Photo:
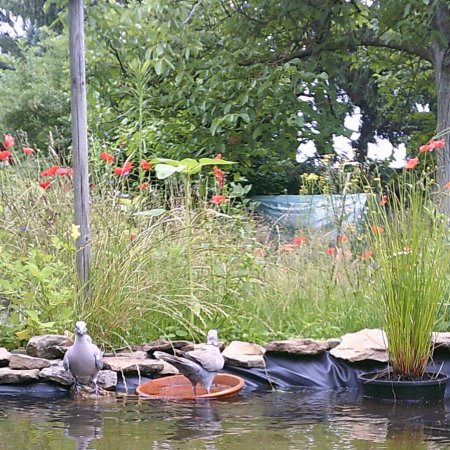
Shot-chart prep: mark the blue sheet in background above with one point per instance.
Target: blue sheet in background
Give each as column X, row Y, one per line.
column 312, row 212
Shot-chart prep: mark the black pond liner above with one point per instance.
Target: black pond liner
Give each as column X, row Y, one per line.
column 283, row 371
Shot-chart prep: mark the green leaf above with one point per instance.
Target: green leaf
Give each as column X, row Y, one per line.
column 164, row 171
column 150, row 213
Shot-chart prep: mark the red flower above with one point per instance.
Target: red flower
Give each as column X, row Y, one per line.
column 9, row 141
column 383, row 200
column 432, row 145
column 45, row 185
column 342, row 238
column 107, row 157
column 146, row 165
column 299, row 240
column 218, row 156
column 64, row 171
column 447, row 185
column 376, row 229
column 28, row 151
column 220, row 176
column 5, row 155
column 331, row 251
column 218, row 199
column 366, row 254
column 124, row 170
column 143, row 186
column 412, row 163
column 50, row 171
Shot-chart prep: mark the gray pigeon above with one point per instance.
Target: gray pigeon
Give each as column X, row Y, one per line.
column 83, row 358
column 198, row 365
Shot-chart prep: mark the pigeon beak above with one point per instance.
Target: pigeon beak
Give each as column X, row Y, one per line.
column 80, row 328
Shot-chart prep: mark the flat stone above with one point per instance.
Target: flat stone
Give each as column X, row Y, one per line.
column 25, row 362
column 244, row 354
column 367, row 344
column 19, row 351
column 48, row 346
column 162, row 345
column 191, row 346
column 10, row 376
column 57, row 374
column 301, row 346
column 107, row 379
column 4, row 357
column 132, row 365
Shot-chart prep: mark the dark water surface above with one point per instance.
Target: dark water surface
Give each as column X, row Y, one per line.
column 253, row 420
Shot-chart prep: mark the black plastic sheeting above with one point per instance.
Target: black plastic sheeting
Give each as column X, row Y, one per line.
column 318, row 372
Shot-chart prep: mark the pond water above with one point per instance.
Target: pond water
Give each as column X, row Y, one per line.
column 279, row 420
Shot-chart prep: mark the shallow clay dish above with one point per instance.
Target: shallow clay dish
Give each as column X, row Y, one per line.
column 178, row 387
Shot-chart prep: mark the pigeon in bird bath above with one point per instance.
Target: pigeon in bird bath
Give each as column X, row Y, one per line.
column 200, row 365
column 83, row 358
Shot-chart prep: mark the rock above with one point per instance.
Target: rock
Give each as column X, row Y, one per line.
column 57, row 374
column 9, row 376
column 244, row 354
column 367, row 344
column 191, row 346
column 127, row 364
column 164, row 346
column 301, row 346
column 18, row 361
column 48, row 346
column 441, row 340
column 19, row 351
column 107, row 379
column 4, row 357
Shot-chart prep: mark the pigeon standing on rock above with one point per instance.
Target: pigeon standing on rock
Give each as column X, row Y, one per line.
column 83, row 358
column 200, row 365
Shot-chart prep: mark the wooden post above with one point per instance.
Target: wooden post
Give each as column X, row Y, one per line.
column 79, row 139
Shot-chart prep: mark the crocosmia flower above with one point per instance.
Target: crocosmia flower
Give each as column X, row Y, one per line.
column 28, row 150
column 384, row 200
column 218, row 199
column 45, row 185
column 412, row 163
column 5, row 155
column 342, row 238
column 376, row 229
column 107, row 157
column 124, row 170
column 299, row 240
column 331, row 251
column 9, row 141
column 143, row 186
column 64, row 172
column 218, row 156
column 50, row 171
column 432, row 145
column 146, row 165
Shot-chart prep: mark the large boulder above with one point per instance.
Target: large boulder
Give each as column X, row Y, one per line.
column 244, row 354
column 10, row 376
column 107, row 379
column 367, row 344
column 57, row 374
column 4, row 357
column 301, row 346
column 25, row 362
column 48, row 346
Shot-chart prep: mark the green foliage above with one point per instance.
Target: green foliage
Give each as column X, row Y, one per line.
column 36, row 95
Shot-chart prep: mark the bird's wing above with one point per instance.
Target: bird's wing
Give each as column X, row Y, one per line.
column 208, row 357
column 98, row 356
column 66, row 360
column 184, row 365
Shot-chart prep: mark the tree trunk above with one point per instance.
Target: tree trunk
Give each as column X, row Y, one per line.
column 441, row 64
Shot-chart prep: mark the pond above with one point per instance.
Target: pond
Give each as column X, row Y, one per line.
column 294, row 419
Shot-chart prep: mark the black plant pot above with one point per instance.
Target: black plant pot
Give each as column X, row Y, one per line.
column 378, row 387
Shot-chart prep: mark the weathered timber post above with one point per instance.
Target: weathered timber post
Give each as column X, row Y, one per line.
column 79, row 139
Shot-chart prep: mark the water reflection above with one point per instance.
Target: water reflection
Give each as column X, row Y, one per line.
column 282, row 420
column 83, row 423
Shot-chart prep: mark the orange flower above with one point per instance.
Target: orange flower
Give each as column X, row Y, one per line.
column 367, row 254
column 9, row 141
column 425, row 148
column 218, row 156
column 107, row 157
column 299, row 240
column 376, row 229
column 146, row 165
column 5, row 155
column 331, row 251
column 28, row 151
column 45, row 185
column 342, row 238
column 447, row 185
column 124, row 170
column 50, row 171
column 64, row 172
column 383, row 200
column 143, row 186
column 218, row 199
column 412, row 163
column 432, row 145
